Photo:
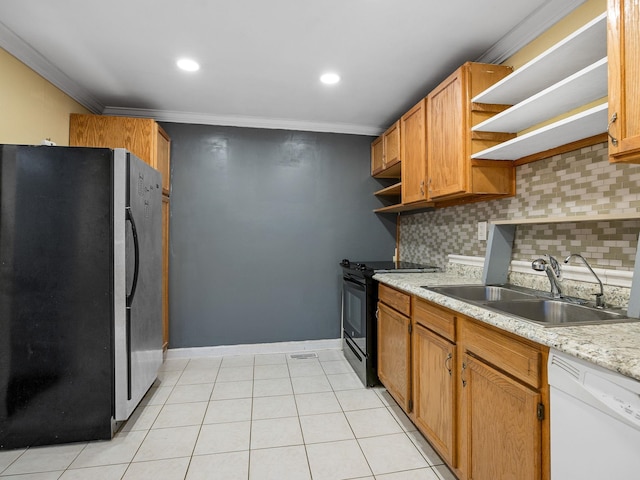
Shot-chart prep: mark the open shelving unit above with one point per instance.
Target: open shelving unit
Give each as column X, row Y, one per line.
column 570, row 74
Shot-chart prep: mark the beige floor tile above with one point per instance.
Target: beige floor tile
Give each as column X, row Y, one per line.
column 265, row 372
column 156, row 396
column 200, row 392
column 425, row 449
column 223, row 437
column 271, row 359
column 223, row 411
column 223, row 466
column 171, row 469
column 315, row 403
column 391, row 453
column 234, row 374
column 238, row 361
column 7, row 457
column 274, row 407
column 372, row 422
column 279, row 464
column 360, row 399
column 337, row 460
column 228, row 390
column 194, row 376
column 277, row 432
column 385, row 396
column 164, row 443
column 142, row 418
column 336, row 366
column 345, row 381
column 204, row 363
column 330, row 355
column 167, row 379
column 174, row 364
column 315, row 384
column 419, row 474
column 45, row 459
column 305, row 368
column 327, row 427
column 121, row 449
column 444, row 473
column 272, row 387
column 35, row 476
column 105, row 472
column 181, row 415
column 402, row 418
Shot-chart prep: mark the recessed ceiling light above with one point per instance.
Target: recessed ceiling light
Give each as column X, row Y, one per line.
column 330, row 78
column 188, row 65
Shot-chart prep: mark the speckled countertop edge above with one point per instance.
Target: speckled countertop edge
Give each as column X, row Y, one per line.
column 614, row 346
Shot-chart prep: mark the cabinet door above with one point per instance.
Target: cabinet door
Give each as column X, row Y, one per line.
column 414, row 154
column 623, row 51
column 377, row 152
column 391, row 140
column 503, row 434
column 394, row 353
column 433, row 389
column 447, row 166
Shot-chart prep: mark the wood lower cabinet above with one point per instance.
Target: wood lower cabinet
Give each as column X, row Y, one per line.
column 434, row 361
column 451, row 173
column 394, row 348
column 623, row 53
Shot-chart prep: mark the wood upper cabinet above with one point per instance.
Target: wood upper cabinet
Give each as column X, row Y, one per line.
column 433, row 389
column 450, row 115
column 414, row 153
column 623, row 51
column 385, row 153
column 394, row 348
column 141, row 136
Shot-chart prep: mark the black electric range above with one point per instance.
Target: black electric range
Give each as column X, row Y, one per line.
column 359, row 304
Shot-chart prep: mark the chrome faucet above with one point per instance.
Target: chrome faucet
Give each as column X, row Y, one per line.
column 599, row 296
column 552, row 269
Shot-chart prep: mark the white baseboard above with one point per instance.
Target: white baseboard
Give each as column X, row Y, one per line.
column 255, row 349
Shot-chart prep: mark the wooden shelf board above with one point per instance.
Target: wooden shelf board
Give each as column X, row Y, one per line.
column 583, row 87
column 391, row 190
column 583, row 47
column 576, row 127
column 405, row 208
column 605, row 217
column 394, row 171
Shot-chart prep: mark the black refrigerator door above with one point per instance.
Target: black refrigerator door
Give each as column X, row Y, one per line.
column 56, row 365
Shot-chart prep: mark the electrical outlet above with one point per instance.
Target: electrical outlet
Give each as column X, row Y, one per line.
column 482, row 231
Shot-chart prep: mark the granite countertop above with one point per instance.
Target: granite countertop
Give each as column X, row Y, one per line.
column 613, row 346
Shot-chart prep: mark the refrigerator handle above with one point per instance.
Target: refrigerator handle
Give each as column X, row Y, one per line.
column 136, row 267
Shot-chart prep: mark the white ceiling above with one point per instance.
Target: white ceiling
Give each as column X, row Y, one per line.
column 261, row 59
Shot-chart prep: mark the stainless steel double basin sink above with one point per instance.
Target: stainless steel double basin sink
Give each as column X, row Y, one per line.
column 532, row 305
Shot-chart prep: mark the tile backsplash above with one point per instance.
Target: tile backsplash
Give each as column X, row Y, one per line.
column 581, row 182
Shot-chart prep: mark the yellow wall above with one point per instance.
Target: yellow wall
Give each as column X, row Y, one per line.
column 576, row 19
column 31, row 108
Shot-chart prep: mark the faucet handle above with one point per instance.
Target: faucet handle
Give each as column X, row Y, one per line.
column 539, row 265
column 600, row 300
column 555, row 265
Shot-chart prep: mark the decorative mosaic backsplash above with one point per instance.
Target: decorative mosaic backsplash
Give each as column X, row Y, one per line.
column 581, row 182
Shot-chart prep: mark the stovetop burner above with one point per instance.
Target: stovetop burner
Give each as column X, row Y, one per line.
column 373, row 267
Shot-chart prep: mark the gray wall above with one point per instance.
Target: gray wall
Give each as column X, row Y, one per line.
column 260, row 220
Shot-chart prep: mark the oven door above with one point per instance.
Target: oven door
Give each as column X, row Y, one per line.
column 354, row 313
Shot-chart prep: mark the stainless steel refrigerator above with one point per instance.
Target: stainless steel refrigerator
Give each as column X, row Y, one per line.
column 80, row 291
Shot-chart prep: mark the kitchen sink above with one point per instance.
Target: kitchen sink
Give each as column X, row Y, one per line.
column 532, row 305
column 479, row 293
column 557, row 312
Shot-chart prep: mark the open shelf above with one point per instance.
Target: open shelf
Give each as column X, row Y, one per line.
column 582, row 125
column 405, row 208
column 391, row 190
column 580, row 49
column 583, row 87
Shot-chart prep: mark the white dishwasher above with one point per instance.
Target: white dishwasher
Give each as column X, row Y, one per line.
column 595, row 421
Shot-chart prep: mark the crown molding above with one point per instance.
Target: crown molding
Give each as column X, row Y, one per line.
column 243, row 121
column 529, row 29
column 24, row 52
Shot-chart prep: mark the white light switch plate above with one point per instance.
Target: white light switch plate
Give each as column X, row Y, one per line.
column 482, row 231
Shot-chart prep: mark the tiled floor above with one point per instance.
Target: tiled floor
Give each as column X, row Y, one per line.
column 248, row 417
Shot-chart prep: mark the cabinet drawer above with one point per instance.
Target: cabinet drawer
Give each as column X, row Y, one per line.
column 517, row 358
column 435, row 318
column 395, row 299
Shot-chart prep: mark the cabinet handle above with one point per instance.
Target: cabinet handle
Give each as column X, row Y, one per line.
column 429, row 186
column 422, row 187
column 447, row 365
column 614, row 140
column 464, row 367
column 377, row 310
